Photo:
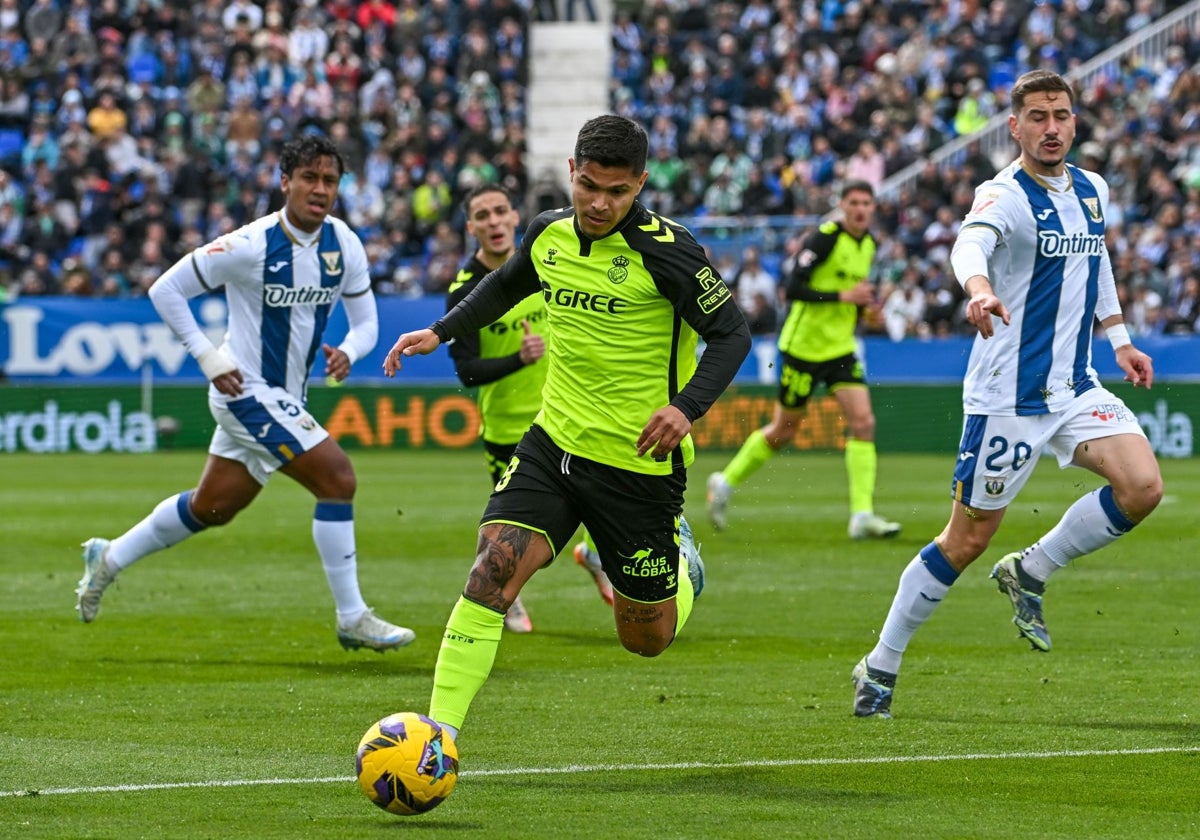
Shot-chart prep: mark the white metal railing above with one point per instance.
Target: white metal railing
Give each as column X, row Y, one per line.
column 1147, row 46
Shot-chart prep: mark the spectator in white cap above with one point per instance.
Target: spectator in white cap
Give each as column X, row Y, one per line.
column 71, row 109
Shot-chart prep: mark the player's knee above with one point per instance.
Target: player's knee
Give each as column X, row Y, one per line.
column 648, row 648
column 964, row 549
column 487, row 594
column 863, row 428
column 345, row 484
column 338, row 483
column 488, row 572
column 1153, row 493
column 646, row 640
column 214, row 515
column 491, row 579
column 1138, row 498
column 779, row 435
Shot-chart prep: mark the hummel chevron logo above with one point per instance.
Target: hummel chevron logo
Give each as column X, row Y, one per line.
column 656, row 225
column 277, row 266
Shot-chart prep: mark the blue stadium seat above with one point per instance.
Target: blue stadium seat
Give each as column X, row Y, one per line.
column 772, row 263
column 144, row 68
column 1003, row 74
column 12, row 141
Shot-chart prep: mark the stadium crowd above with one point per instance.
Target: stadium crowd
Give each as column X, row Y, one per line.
column 134, row 130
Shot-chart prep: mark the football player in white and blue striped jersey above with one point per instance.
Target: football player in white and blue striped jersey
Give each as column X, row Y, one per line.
column 282, row 276
column 1031, row 257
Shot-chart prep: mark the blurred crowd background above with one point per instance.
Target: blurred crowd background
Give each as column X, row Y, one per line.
column 132, row 131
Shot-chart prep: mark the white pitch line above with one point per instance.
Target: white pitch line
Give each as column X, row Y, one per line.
column 602, row 768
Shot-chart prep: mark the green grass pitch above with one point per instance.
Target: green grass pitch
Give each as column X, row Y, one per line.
column 210, row 699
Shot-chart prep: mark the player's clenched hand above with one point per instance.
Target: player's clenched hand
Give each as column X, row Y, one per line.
column 1137, row 366
column 666, row 428
column 337, row 363
column 861, row 293
column 980, row 309
column 421, row 341
column 533, row 346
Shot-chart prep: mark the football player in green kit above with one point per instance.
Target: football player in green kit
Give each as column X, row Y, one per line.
column 501, row 360
column 818, row 346
column 628, row 294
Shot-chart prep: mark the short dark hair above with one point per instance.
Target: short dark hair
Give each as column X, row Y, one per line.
column 610, row 140
column 484, row 189
column 304, row 151
column 1039, row 81
column 857, row 185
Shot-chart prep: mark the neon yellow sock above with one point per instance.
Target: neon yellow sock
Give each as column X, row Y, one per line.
column 468, row 650
column 684, row 598
column 754, row 453
column 860, row 470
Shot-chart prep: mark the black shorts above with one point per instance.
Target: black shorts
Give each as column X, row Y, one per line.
column 497, row 455
column 798, row 379
column 632, row 518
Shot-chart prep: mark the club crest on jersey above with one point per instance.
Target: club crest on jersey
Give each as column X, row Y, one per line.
column 993, row 485
column 333, row 262
column 619, row 273
column 1092, row 204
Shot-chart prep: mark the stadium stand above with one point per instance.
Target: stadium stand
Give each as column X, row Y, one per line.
column 131, row 130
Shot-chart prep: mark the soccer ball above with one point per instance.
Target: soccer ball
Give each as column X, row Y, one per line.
column 407, row 764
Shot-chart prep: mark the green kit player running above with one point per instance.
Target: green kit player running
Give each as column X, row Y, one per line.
column 627, row 293
column 817, row 346
column 501, row 360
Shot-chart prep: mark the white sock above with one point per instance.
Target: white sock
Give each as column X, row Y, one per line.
column 923, row 584
column 169, row 523
column 333, row 532
column 591, row 560
column 1093, row 522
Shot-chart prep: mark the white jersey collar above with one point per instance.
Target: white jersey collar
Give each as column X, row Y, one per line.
column 295, row 234
column 1059, row 183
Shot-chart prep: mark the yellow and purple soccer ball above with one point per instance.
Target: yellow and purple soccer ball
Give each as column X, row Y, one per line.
column 407, row 764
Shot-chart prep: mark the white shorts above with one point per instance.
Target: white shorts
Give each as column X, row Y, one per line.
column 997, row 454
column 263, row 429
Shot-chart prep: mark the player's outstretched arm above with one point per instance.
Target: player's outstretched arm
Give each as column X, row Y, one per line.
column 422, row 341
